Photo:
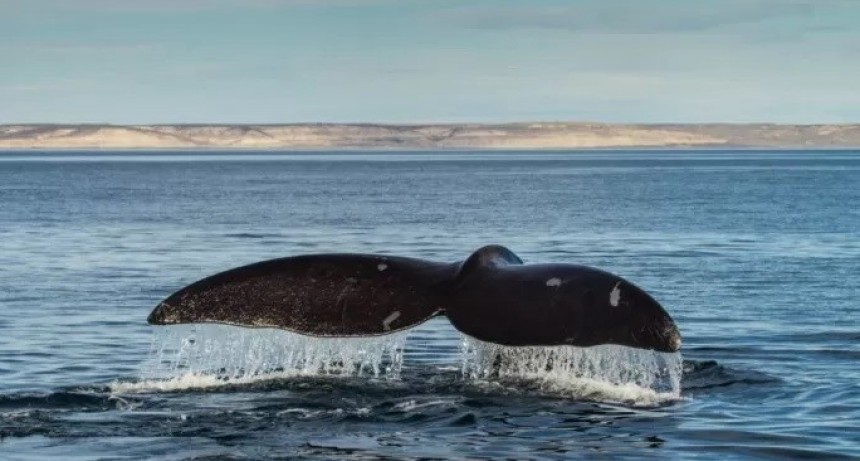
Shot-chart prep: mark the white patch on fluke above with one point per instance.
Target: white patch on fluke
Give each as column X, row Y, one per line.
column 386, row 323
column 615, row 295
column 553, row 282
column 382, row 267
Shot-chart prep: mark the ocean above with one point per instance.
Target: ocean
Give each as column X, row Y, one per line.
column 755, row 254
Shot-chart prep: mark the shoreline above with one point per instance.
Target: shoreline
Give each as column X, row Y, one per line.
column 408, row 150
column 544, row 136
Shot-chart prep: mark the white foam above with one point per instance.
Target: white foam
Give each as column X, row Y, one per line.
column 412, row 405
column 601, row 373
column 200, row 356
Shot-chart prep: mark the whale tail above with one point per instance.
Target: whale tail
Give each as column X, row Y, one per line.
column 491, row 296
column 316, row 295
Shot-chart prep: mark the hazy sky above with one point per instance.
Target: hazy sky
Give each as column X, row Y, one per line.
column 170, row 61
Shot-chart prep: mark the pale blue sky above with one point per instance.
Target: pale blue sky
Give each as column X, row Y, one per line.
column 270, row 61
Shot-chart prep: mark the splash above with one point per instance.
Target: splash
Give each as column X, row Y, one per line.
column 199, row 356
column 603, row 373
column 204, row 356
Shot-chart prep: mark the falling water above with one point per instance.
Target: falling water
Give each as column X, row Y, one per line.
column 198, row 356
column 211, row 355
column 606, row 372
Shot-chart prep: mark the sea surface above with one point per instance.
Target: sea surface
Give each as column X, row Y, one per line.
column 756, row 254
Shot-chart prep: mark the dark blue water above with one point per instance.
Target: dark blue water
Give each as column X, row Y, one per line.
column 755, row 254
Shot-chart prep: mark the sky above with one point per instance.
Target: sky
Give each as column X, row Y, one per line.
column 422, row 61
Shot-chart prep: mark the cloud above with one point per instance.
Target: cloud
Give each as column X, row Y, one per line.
column 636, row 16
column 60, row 85
column 183, row 5
column 78, row 48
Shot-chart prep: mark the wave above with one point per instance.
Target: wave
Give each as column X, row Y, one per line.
column 57, row 401
column 222, row 359
column 708, row 374
column 442, row 381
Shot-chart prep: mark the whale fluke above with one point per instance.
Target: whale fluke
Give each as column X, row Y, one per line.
column 491, row 296
column 317, row 295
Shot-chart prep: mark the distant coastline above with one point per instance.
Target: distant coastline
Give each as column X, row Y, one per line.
column 537, row 135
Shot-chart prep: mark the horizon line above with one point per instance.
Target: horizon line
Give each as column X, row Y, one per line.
column 428, row 123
